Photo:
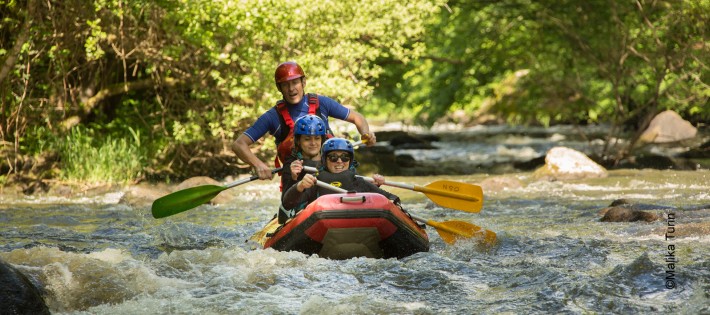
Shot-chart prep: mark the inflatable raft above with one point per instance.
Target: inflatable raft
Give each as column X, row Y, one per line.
column 342, row 226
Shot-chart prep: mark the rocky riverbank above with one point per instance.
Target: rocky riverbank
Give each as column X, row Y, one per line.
column 670, row 143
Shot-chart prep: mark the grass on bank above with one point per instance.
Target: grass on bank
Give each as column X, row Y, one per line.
column 109, row 159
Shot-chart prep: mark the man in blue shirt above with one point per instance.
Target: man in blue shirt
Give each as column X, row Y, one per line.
column 278, row 121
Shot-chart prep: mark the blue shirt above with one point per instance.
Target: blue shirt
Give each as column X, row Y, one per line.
column 269, row 121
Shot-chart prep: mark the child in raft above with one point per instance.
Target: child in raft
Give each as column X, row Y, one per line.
column 309, row 135
column 337, row 166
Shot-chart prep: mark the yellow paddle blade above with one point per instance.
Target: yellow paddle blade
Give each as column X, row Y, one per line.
column 454, row 195
column 451, row 231
column 262, row 236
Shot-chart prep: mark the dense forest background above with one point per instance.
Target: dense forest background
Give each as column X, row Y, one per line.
column 121, row 91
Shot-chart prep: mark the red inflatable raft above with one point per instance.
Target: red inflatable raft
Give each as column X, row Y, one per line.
column 342, row 226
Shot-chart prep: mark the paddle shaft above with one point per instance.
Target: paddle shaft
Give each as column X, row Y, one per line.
column 241, row 181
column 340, row 190
column 331, row 187
column 426, row 190
column 189, row 198
column 469, row 201
column 246, row 180
column 423, row 189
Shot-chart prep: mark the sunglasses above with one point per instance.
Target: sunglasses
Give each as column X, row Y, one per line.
column 335, row 157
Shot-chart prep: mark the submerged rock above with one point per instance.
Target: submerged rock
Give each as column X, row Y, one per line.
column 621, row 214
column 694, row 229
column 143, row 194
column 499, row 183
column 623, row 210
column 18, row 295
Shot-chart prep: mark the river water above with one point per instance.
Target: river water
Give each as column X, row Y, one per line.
column 95, row 255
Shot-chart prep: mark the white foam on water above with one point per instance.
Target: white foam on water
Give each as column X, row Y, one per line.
column 110, row 255
column 108, row 198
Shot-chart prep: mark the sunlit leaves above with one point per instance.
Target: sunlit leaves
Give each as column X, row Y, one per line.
column 636, row 51
column 93, row 48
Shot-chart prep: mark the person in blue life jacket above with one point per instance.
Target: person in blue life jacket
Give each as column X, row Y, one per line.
column 279, row 120
column 338, row 169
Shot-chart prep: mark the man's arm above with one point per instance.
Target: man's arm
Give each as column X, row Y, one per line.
column 241, row 148
column 338, row 111
column 362, row 127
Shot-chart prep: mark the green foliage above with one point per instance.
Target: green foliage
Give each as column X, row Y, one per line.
column 93, row 49
column 336, row 43
column 584, row 62
column 38, row 139
column 186, row 72
column 88, row 157
column 470, row 45
column 189, row 71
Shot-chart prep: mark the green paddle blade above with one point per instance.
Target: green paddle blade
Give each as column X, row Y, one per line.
column 185, row 199
column 189, row 198
column 454, row 195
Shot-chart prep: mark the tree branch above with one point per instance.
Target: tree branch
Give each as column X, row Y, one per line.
column 20, row 41
column 114, row 90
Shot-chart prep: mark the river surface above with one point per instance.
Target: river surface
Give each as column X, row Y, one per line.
column 98, row 256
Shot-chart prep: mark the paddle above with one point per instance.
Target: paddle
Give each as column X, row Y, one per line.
column 189, row 198
column 448, row 194
column 445, row 193
column 450, row 231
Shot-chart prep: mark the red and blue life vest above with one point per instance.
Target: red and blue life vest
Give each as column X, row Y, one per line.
column 284, row 141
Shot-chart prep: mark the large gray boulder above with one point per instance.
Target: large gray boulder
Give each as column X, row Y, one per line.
column 562, row 163
column 666, row 127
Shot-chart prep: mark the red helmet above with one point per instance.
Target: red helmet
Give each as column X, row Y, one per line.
column 288, row 70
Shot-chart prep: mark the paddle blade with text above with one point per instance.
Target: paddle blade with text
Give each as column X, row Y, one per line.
column 454, row 195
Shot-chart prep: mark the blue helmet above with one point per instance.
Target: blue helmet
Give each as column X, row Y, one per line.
column 337, row 144
column 309, row 125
